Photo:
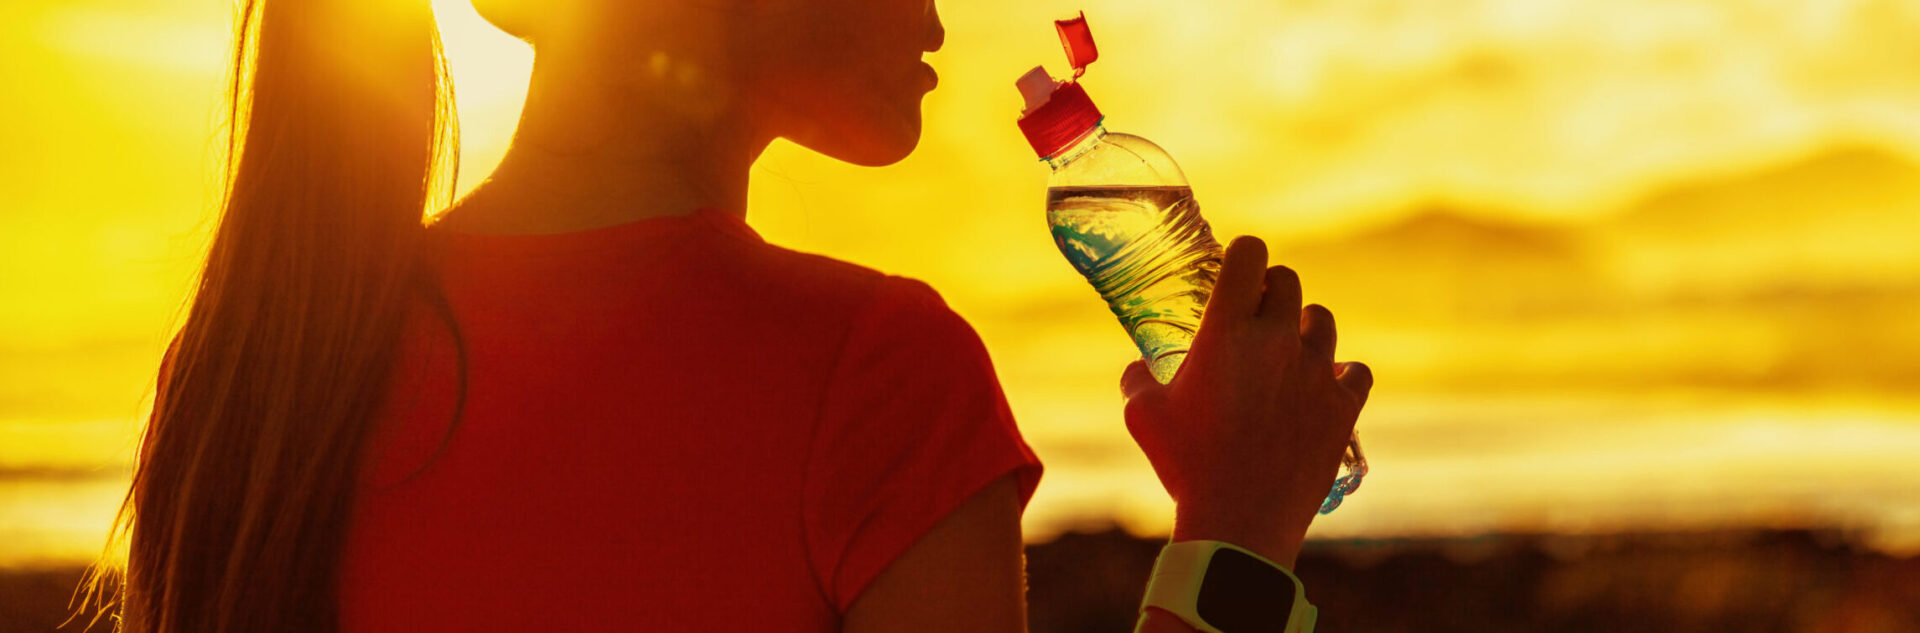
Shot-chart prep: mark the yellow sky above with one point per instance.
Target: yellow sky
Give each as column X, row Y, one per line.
column 1619, row 263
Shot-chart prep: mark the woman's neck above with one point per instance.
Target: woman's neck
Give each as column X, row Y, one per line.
column 661, row 137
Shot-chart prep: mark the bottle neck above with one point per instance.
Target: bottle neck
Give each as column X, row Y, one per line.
column 1078, row 147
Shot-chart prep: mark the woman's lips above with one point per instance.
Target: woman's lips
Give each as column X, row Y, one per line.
column 928, row 78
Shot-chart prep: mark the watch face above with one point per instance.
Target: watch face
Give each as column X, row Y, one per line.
column 1240, row 594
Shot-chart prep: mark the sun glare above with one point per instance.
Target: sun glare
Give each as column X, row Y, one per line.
column 490, row 72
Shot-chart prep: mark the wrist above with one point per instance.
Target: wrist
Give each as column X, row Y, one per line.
column 1157, row 620
column 1270, row 539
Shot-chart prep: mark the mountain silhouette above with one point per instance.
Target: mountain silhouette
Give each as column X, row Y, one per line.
column 1442, row 262
column 1846, row 216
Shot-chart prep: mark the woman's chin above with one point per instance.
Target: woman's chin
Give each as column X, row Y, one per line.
column 883, row 154
column 877, row 142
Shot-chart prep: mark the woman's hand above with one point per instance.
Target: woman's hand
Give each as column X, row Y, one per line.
column 1248, row 436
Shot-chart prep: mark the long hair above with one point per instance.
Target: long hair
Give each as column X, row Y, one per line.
column 341, row 139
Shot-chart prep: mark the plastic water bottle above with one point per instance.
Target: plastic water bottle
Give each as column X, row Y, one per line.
column 1122, row 213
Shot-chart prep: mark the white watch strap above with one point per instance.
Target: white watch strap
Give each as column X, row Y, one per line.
column 1182, row 566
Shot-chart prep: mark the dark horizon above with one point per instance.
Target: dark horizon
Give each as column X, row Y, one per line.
column 1718, row 581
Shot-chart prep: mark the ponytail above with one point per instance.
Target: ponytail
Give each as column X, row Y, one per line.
column 342, row 137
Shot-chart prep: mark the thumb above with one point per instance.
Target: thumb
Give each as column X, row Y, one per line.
column 1145, row 397
column 1137, row 379
column 1146, row 419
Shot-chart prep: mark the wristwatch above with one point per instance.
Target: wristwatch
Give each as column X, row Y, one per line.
column 1218, row 587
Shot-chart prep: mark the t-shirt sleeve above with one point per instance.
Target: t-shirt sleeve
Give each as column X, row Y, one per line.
column 912, row 424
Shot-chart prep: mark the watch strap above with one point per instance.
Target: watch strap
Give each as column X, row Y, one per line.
column 1181, row 572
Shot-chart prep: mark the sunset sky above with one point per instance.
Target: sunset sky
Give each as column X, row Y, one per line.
column 1618, row 264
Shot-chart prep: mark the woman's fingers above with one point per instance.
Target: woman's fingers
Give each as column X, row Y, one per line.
column 1317, row 334
column 1280, row 304
column 1236, row 295
column 1357, row 378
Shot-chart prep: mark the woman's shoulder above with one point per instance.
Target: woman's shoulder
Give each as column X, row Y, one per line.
column 872, row 297
column 787, row 275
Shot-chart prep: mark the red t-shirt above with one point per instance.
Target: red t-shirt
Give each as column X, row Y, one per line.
column 669, row 425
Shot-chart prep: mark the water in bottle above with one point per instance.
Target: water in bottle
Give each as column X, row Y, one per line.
column 1148, row 253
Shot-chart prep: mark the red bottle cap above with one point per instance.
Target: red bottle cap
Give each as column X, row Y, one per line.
column 1078, row 40
column 1067, row 114
column 1060, row 113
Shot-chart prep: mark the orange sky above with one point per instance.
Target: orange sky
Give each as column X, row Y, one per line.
column 1618, row 264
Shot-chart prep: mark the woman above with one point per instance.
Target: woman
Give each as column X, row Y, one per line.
column 590, row 397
